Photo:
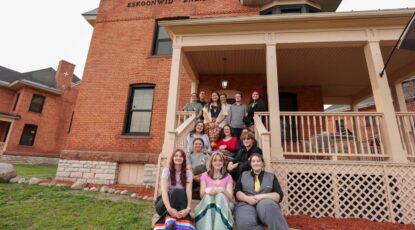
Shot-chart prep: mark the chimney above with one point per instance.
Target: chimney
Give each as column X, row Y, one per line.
column 64, row 75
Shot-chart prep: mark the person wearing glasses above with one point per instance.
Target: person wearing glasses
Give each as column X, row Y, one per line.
column 240, row 162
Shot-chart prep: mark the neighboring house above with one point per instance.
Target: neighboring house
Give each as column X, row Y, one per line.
column 36, row 110
column 146, row 58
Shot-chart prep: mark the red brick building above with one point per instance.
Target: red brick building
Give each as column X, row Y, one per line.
column 128, row 55
column 147, row 56
column 36, row 109
column 120, row 117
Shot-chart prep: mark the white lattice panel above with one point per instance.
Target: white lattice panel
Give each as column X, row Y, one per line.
column 375, row 191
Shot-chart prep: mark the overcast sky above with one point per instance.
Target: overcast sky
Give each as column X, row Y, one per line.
column 37, row 34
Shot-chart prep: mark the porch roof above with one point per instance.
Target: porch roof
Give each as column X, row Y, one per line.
column 395, row 17
column 338, row 67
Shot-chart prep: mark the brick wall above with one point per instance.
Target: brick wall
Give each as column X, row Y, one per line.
column 119, row 56
column 7, row 99
column 52, row 123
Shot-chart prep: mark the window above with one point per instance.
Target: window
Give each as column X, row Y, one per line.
column 140, row 110
column 287, row 9
column 28, row 135
column 15, row 102
column 162, row 42
column 290, row 10
column 37, row 103
column 340, row 127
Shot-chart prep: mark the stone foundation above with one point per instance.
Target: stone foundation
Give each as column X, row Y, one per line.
column 96, row 172
column 28, row 160
column 150, row 174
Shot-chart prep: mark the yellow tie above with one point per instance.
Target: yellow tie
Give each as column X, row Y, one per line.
column 257, row 185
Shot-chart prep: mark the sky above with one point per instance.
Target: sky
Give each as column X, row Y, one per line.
column 38, row 34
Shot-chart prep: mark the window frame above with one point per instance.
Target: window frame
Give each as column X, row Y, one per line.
column 340, row 126
column 41, row 107
column 156, row 39
column 303, row 8
column 130, row 110
column 70, row 122
column 16, row 101
column 23, row 134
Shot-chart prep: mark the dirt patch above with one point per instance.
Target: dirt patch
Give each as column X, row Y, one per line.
column 310, row 223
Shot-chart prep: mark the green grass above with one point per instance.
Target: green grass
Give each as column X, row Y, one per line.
column 40, row 207
column 39, row 171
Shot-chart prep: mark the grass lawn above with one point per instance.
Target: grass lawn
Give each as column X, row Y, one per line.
column 39, row 171
column 39, row 207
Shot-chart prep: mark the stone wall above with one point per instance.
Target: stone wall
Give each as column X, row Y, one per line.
column 29, row 160
column 96, row 172
column 150, row 174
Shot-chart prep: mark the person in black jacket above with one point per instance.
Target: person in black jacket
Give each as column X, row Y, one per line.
column 241, row 158
column 257, row 104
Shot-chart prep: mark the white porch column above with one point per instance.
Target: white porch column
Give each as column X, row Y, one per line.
column 172, row 100
column 401, row 97
column 273, row 102
column 383, row 101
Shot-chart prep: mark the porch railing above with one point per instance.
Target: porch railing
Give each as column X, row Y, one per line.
column 182, row 116
column 330, row 136
column 177, row 139
column 263, row 136
column 406, row 124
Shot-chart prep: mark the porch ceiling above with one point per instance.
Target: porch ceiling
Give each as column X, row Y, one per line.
column 340, row 71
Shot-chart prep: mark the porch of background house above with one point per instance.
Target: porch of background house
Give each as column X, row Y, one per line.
column 346, row 165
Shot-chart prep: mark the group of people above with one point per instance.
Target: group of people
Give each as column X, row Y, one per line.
column 217, row 113
column 257, row 195
column 224, row 168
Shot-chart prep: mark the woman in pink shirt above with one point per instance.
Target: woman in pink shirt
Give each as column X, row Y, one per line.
column 216, row 191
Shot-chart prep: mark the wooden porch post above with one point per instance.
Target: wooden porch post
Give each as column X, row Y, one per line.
column 273, row 102
column 401, row 97
column 383, row 101
column 172, row 100
column 195, row 87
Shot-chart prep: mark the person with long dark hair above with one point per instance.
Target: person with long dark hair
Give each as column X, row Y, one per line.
column 259, row 194
column 216, row 191
column 173, row 205
column 227, row 144
column 213, row 116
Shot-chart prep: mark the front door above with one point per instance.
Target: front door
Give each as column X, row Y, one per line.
column 288, row 102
